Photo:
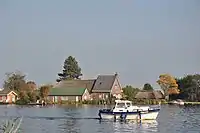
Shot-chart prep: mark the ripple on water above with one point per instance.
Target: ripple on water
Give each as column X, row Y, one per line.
column 171, row 119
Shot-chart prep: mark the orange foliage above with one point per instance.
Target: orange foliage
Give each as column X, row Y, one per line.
column 173, row 91
column 44, row 91
column 168, row 84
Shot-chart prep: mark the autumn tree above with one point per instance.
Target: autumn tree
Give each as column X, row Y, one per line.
column 147, row 87
column 168, row 85
column 71, row 70
column 31, row 85
column 44, row 91
column 15, row 81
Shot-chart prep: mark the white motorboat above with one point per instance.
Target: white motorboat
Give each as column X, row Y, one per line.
column 124, row 110
column 178, row 102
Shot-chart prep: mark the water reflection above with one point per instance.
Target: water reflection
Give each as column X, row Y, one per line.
column 144, row 126
column 67, row 119
column 69, row 126
column 149, row 126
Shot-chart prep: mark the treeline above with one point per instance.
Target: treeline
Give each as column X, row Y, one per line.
column 129, row 91
column 27, row 90
column 189, row 87
column 186, row 88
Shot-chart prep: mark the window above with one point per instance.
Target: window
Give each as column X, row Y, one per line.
column 56, row 99
column 120, row 105
column 85, row 97
column 64, row 98
column 3, row 97
column 128, row 104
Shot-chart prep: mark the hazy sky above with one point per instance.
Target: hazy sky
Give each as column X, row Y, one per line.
column 139, row 39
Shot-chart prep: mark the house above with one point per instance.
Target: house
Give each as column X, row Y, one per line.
column 71, row 94
column 8, row 96
column 105, row 86
column 99, row 89
column 156, row 94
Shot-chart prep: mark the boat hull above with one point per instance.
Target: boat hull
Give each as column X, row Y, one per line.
column 138, row 115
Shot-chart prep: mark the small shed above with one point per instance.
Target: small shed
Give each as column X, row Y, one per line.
column 8, row 96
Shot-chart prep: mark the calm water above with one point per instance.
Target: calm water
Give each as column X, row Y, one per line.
column 82, row 119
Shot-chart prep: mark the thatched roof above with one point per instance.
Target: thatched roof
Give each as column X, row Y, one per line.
column 76, row 84
column 149, row 95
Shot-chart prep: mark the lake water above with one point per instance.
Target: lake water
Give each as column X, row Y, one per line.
column 82, row 119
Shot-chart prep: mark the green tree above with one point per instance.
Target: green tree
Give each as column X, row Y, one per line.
column 189, row 87
column 129, row 92
column 147, row 87
column 32, row 96
column 24, row 99
column 71, row 70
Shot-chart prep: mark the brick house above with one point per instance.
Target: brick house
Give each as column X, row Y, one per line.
column 99, row 89
column 105, row 86
column 8, row 96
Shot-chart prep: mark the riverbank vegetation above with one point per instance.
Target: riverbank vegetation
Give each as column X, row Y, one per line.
column 186, row 88
column 189, row 87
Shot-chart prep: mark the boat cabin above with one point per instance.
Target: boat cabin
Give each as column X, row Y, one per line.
column 123, row 106
column 122, row 103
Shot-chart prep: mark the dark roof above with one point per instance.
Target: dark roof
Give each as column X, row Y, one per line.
column 104, row 83
column 5, row 92
column 149, row 95
column 66, row 92
column 76, row 84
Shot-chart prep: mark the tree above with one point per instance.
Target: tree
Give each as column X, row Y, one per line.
column 130, row 92
column 32, row 96
column 24, row 99
column 31, row 85
column 15, row 81
column 71, row 70
column 44, row 91
column 189, row 87
column 147, row 87
column 168, row 85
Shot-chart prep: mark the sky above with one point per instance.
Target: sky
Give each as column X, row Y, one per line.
column 138, row 39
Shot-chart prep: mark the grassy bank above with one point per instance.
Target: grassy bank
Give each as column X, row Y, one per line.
column 192, row 103
column 102, row 102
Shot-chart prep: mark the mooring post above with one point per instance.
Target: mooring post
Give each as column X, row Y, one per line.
column 115, row 118
column 140, row 115
column 100, row 115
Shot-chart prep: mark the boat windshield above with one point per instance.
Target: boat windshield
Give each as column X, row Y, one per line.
column 120, row 105
column 128, row 104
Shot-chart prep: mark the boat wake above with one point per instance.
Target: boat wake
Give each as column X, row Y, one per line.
column 50, row 118
column 71, row 118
